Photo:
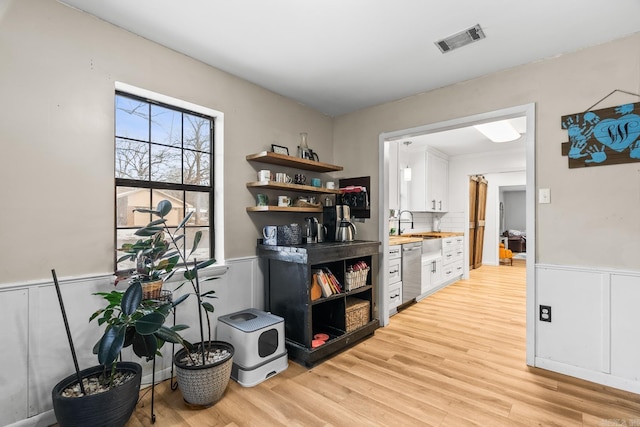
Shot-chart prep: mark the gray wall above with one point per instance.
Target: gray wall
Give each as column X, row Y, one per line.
column 57, row 77
column 515, row 210
column 602, row 200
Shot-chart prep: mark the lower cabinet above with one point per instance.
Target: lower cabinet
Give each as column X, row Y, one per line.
column 440, row 271
column 317, row 328
column 394, row 277
column 452, row 258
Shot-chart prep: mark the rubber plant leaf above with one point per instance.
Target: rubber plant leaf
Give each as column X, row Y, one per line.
column 111, row 345
column 196, row 241
column 180, row 299
column 208, row 293
column 145, row 346
column 131, row 299
column 163, row 208
column 206, row 263
column 149, row 323
column 184, row 221
column 208, row 306
column 169, row 335
column 156, row 222
column 147, row 231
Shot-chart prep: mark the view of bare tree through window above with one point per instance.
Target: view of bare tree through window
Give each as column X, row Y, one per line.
column 162, row 152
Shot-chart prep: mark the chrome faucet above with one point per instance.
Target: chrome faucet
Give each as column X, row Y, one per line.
column 400, row 220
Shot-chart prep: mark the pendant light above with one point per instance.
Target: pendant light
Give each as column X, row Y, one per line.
column 406, row 172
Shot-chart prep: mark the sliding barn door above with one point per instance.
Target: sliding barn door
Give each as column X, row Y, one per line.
column 477, row 207
column 473, row 189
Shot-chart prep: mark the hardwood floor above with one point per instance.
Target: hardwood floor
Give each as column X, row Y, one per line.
column 456, row 358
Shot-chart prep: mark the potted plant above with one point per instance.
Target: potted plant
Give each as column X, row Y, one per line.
column 203, row 370
column 107, row 394
column 154, row 263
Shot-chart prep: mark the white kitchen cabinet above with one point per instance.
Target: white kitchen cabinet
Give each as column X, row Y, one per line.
column 394, row 177
column 416, row 188
column 437, row 183
column 431, row 275
column 394, row 276
column 428, row 190
column 452, row 259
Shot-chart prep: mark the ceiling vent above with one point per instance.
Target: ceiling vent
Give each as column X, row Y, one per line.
column 460, row 39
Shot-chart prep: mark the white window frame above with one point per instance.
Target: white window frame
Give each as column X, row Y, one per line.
column 218, row 157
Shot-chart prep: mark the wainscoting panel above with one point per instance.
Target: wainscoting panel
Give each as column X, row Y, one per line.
column 36, row 346
column 625, row 334
column 14, row 318
column 593, row 330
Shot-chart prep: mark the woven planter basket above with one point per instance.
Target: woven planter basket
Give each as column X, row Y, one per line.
column 204, row 385
column 152, row 290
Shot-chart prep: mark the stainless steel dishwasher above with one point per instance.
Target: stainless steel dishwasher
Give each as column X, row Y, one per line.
column 411, row 271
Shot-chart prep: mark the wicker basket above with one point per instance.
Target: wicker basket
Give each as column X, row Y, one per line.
column 357, row 313
column 152, row 290
column 204, row 385
column 356, row 279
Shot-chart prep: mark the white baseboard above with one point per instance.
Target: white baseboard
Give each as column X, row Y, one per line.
column 588, row 375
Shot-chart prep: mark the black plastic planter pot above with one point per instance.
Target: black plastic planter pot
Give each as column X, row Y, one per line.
column 204, row 385
column 111, row 408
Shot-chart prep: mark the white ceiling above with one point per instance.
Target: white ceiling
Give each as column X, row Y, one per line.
column 338, row 56
column 465, row 140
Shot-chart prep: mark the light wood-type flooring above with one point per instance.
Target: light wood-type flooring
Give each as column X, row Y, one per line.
column 456, row 358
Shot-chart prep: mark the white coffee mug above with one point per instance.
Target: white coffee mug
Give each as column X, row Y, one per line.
column 284, row 201
column 330, row 185
column 264, row 175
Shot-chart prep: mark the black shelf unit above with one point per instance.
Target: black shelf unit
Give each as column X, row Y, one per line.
column 288, row 274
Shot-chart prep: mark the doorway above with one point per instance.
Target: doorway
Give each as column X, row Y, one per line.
column 389, row 138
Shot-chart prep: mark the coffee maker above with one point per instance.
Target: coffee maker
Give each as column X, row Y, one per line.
column 337, row 219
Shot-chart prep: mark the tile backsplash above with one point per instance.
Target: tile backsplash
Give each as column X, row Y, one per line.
column 426, row 221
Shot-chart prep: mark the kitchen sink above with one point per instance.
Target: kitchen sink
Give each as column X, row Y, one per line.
column 431, row 246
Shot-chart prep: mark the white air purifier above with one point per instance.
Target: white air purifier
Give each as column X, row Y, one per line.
column 258, row 340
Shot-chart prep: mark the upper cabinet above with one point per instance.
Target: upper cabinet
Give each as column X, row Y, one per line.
column 437, row 183
column 426, row 187
column 394, row 183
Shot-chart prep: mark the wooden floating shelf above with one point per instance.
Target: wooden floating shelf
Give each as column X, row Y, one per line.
column 283, row 209
column 294, row 162
column 272, row 185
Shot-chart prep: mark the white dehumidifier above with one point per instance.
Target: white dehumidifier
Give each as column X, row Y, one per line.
column 258, row 340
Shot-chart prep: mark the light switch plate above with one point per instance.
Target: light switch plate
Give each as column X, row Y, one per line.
column 544, row 195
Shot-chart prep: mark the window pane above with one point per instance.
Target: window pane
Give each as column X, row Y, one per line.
column 202, row 253
column 197, row 168
column 132, row 118
column 198, row 203
column 132, row 159
column 175, row 197
column 166, row 164
column 197, row 133
column 128, row 199
column 166, row 126
column 124, row 236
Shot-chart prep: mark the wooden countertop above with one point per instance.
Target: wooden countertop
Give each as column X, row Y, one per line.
column 401, row 240
column 420, row 235
column 436, row 234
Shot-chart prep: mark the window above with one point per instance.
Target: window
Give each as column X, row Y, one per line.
column 163, row 152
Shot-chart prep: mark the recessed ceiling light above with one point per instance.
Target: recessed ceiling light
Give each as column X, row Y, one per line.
column 500, row 131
